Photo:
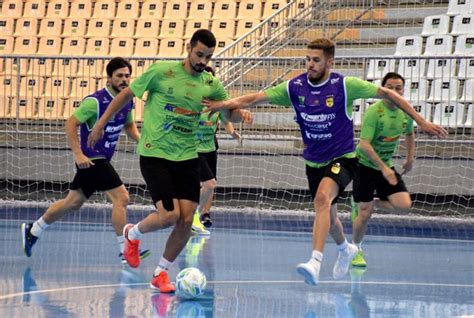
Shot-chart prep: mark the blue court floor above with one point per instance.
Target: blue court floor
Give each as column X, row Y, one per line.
column 75, row 272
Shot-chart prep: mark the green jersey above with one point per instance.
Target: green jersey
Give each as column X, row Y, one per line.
column 383, row 126
column 173, row 108
column 207, row 131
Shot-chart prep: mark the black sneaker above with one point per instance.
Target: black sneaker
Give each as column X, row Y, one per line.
column 206, row 220
column 27, row 239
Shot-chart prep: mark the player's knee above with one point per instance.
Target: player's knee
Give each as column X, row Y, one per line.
column 209, row 185
column 122, row 200
column 365, row 212
column 404, row 205
column 322, row 200
column 74, row 203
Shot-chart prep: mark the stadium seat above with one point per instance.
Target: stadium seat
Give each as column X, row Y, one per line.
column 412, row 68
column 423, row 109
column 225, row 9
column 460, row 7
column 34, row 9
column 192, row 25
column 121, row 47
column 245, row 25
column 49, row 108
column 146, row 47
column 272, row 6
column 123, row 28
column 8, row 86
column 172, row 28
column 250, row 9
column 26, row 27
column 437, row 45
column 222, row 44
column 200, row 9
column 147, row 28
column 466, row 68
column 464, row 45
column 223, row 28
column 441, row 68
column 50, row 27
column 299, row 10
column 98, row 28
column 57, row 87
column 75, row 27
column 470, row 116
column 12, row 9
column 444, row 90
column 31, row 88
column 58, row 9
column 246, row 48
column 50, row 105
column 171, row 47
column 358, row 109
column 72, row 46
column 43, row 66
column 449, row 114
column 104, row 9
column 82, row 86
column 416, row 90
column 435, row 25
column 97, row 46
column 127, row 9
column 463, row 24
column 379, row 67
column 81, row 9
column 140, row 65
column 152, row 9
column 409, row 46
column 7, row 26
column 176, row 9
column 25, row 45
column 467, row 95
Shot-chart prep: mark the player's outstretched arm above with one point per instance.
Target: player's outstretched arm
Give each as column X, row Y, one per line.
column 81, row 160
column 117, row 103
column 237, row 102
column 426, row 126
column 410, row 143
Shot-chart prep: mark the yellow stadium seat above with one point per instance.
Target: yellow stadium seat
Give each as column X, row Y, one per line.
column 200, row 9
column 272, row 6
column 6, row 47
column 49, row 108
column 82, row 87
column 250, row 9
column 98, row 27
column 152, row 9
column 121, row 47
column 94, row 67
column 31, row 88
column 74, row 27
column 12, row 9
column 172, row 28
column 222, row 44
column 225, row 9
column 8, row 92
column 123, row 28
column 192, row 25
column 146, row 47
column 7, row 26
column 57, row 86
column 147, row 28
column 26, row 45
column 102, row 82
column 50, row 27
column 58, row 9
column 104, row 9
column 297, row 11
column 176, row 9
column 34, row 9
column 43, row 66
column 245, row 25
column 171, row 48
column 26, row 26
column 70, row 105
column 127, row 9
column 81, row 9
column 72, row 46
column 140, row 65
column 223, row 28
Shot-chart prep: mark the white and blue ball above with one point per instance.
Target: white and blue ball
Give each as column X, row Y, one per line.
column 190, row 283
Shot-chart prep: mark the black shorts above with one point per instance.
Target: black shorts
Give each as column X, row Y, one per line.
column 167, row 180
column 99, row 177
column 208, row 165
column 341, row 170
column 368, row 181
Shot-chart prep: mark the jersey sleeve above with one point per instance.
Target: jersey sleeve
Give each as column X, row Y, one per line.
column 357, row 88
column 278, row 95
column 86, row 110
column 145, row 81
column 369, row 124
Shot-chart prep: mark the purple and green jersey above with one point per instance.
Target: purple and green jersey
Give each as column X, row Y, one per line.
column 324, row 113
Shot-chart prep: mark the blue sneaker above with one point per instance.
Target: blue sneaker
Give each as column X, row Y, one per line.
column 27, row 239
column 143, row 254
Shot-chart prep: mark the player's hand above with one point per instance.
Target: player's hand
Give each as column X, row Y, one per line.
column 247, row 116
column 407, row 166
column 94, row 136
column 390, row 176
column 433, row 129
column 236, row 135
column 213, row 105
column 82, row 161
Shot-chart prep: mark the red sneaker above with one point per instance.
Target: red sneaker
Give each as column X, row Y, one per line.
column 131, row 250
column 161, row 304
column 162, row 283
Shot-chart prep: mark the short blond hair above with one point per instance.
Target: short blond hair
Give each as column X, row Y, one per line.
column 328, row 46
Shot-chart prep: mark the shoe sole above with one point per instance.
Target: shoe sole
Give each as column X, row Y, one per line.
column 23, row 239
column 308, row 278
column 156, row 289
column 359, row 265
column 199, row 232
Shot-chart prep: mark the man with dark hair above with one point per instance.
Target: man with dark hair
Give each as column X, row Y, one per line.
column 168, row 150
column 382, row 127
column 94, row 170
column 322, row 101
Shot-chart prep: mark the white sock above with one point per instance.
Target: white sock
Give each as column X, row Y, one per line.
column 134, row 233
column 164, row 265
column 341, row 247
column 317, row 255
column 120, row 240
column 359, row 245
column 38, row 227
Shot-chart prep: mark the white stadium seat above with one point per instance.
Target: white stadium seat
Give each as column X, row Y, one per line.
column 436, row 24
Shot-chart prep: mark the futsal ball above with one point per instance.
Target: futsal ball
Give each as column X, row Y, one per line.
column 190, row 283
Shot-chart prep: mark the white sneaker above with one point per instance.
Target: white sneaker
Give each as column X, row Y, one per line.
column 343, row 261
column 309, row 271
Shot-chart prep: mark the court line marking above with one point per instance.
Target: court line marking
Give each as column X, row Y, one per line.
column 343, row 282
